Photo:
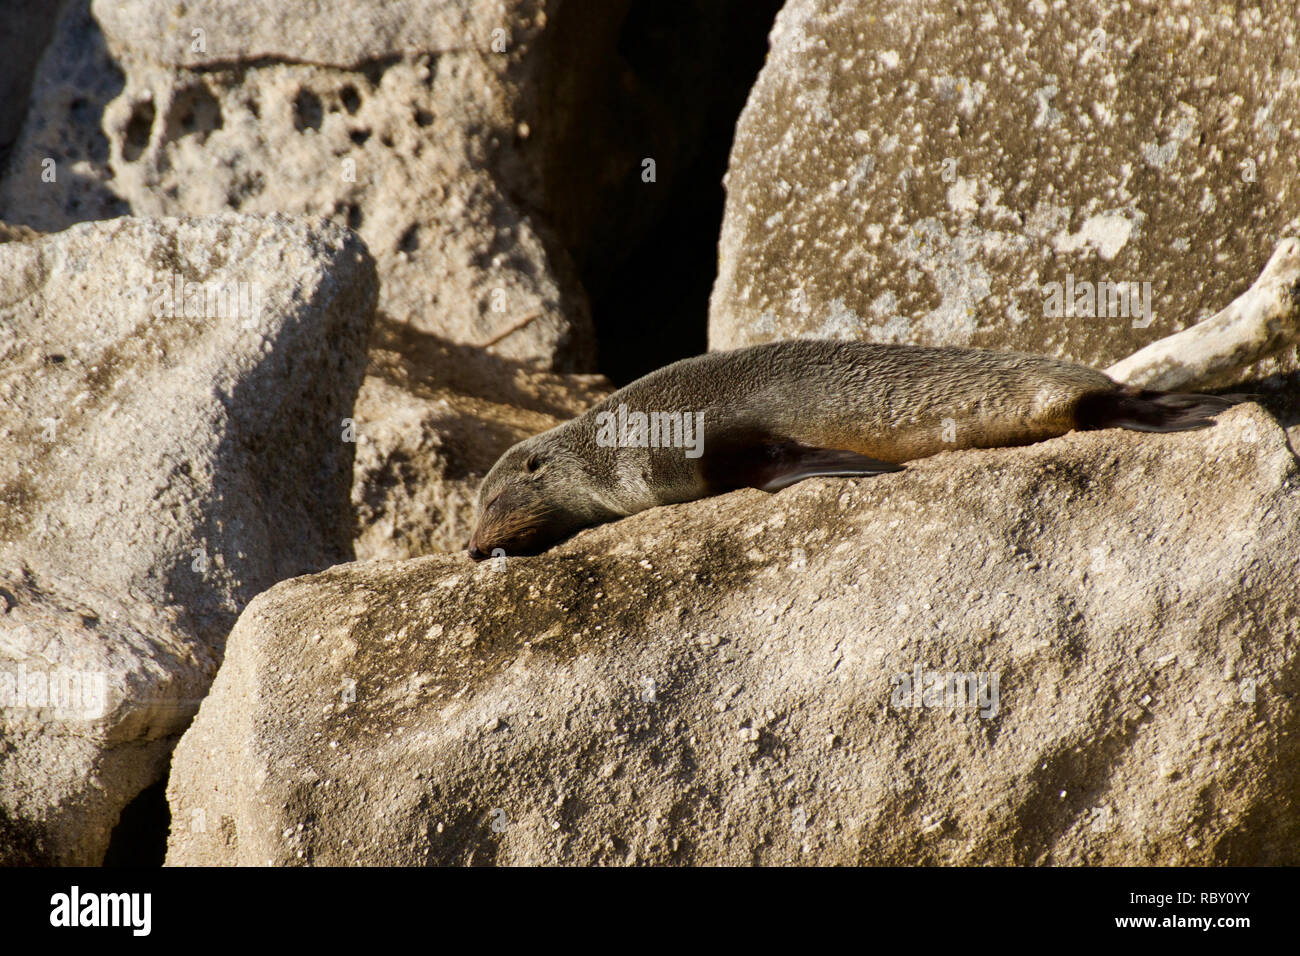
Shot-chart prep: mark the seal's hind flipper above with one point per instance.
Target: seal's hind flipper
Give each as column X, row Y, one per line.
column 1144, row 410
column 774, row 465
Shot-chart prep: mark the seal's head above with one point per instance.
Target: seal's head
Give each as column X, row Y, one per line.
column 538, row 493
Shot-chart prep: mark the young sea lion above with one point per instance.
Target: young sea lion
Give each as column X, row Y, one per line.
column 771, row 415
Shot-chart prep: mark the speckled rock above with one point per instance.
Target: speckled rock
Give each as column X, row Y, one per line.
column 924, row 172
column 163, row 458
column 725, row 681
column 431, row 419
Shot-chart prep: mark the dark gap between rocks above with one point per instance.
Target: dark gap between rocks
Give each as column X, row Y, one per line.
column 25, row 30
column 140, row 837
column 651, row 308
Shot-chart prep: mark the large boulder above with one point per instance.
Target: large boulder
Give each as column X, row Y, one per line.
column 489, row 154
column 386, row 118
column 729, row 681
column 968, row 174
column 173, row 443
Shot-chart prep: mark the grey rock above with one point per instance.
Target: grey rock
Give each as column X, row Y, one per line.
column 720, row 681
column 385, row 117
column 162, row 460
column 923, row 172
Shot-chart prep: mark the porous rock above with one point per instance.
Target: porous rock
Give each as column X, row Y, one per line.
column 383, row 116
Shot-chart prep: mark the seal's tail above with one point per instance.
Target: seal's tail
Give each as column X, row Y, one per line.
column 1145, row 410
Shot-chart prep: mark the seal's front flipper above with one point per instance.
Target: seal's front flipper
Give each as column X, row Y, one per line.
column 792, row 462
column 770, row 463
column 775, row 464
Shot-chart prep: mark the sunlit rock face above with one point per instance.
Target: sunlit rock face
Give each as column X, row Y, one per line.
column 1074, row 180
column 751, row 678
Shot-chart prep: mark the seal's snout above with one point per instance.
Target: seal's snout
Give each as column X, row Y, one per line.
column 473, row 549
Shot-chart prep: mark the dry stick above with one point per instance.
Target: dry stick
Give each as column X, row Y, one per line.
column 512, row 330
column 1261, row 321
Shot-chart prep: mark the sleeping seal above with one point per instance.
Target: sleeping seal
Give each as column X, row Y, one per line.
column 771, row 415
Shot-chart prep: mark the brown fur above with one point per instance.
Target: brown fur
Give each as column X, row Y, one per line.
column 776, row 413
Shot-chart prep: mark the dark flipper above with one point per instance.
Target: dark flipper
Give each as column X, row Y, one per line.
column 772, row 464
column 1144, row 410
column 791, row 463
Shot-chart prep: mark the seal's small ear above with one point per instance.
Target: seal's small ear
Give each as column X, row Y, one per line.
column 773, row 464
column 533, row 463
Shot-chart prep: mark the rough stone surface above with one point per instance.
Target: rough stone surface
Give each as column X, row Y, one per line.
column 920, row 172
column 158, row 468
column 488, row 153
column 342, row 33
column 715, row 681
column 431, row 419
column 63, row 136
column 383, row 116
